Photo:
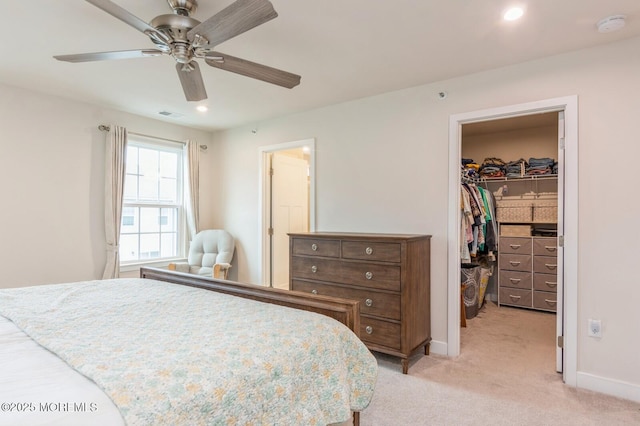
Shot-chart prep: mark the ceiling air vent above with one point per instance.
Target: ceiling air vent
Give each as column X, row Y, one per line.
column 171, row 114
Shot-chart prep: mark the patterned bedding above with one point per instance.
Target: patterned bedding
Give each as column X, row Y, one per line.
column 170, row 354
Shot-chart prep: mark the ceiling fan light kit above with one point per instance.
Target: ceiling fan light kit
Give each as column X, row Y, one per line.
column 187, row 39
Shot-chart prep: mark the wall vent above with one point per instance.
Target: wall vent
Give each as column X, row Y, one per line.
column 171, row 114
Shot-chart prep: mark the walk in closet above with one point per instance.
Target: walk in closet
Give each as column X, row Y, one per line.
column 509, row 214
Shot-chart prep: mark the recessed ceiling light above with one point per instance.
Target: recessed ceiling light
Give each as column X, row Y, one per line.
column 513, row 14
column 202, row 108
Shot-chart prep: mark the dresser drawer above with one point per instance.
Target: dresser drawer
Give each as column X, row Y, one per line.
column 515, row 279
column 545, row 247
column 545, row 282
column 515, row 245
column 545, row 264
column 316, row 269
column 316, row 247
column 383, row 277
column 545, row 300
column 380, row 332
column 515, row 262
column 515, row 297
column 384, row 305
column 363, row 250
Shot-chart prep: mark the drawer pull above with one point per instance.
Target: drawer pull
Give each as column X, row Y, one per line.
column 314, row 291
column 550, row 248
column 551, row 302
column 551, row 284
column 368, row 250
column 550, row 266
column 369, row 275
column 515, row 280
column 515, row 298
column 514, row 262
column 314, row 269
column 314, row 247
column 515, row 246
column 368, row 302
column 369, row 329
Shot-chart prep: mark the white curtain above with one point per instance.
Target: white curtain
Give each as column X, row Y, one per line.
column 192, row 189
column 116, row 150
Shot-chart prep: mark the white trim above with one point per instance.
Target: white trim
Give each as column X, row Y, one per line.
column 263, row 191
column 569, row 105
column 438, row 347
column 608, row 386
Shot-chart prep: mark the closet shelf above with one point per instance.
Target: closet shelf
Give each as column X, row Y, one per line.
column 519, row 179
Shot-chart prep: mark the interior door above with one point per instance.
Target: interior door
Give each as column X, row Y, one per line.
column 289, row 211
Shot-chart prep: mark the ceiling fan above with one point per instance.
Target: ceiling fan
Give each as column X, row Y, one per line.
column 187, row 39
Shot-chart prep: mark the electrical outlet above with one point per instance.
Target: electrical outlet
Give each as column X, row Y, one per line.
column 595, row 328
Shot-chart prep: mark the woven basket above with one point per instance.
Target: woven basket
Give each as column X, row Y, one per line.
column 545, row 211
column 514, row 211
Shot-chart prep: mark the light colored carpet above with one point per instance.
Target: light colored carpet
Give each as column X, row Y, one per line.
column 505, row 375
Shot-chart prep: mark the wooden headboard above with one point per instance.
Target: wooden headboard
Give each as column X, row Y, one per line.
column 344, row 310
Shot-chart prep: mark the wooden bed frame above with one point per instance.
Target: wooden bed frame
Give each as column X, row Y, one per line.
column 343, row 310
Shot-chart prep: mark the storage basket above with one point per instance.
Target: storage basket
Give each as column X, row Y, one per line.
column 514, row 211
column 545, row 211
column 515, row 230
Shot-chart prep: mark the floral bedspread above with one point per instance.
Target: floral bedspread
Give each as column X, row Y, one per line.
column 167, row 354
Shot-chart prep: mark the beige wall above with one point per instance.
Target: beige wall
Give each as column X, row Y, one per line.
column 512, row 145
column 382, row 166
column 52, row 180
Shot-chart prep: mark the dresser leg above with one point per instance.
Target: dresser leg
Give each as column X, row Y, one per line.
column 405, row 365
column 426, row 348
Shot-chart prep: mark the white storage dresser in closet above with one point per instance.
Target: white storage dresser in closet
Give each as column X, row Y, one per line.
column 527, row 274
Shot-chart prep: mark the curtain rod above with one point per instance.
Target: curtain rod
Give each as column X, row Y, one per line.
column 107, row 128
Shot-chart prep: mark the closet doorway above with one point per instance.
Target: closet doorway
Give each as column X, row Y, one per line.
column 287, row 205
column 564, row 111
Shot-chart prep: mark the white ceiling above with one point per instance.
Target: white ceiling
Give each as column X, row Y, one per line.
column 343, row 49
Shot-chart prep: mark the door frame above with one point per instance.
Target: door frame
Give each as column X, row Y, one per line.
column 569, row 105
column 264, row 198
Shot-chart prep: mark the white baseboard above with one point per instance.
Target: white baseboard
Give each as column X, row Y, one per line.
column 438, row 347
column 608, row 386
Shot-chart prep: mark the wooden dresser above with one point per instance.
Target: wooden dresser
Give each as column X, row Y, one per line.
column 388, row 274
column 528, row 272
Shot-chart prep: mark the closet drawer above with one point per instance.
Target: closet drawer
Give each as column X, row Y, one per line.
column 545, row 300
column 515, row 279
column 545, row 282
column 546, row 264
column 515, row 245
column 313, row 247
column 371, row 302
column 515, row 262
column 515, row 297
column 380, row 332
column 363, row 250
column 545, row 247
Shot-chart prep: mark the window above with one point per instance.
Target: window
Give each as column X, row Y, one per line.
column 152, row 224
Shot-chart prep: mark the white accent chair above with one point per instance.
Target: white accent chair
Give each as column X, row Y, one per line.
column 210, row 254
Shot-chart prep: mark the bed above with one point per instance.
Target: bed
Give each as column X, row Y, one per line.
column 173, row 348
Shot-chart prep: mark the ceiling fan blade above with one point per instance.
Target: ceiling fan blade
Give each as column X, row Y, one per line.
column 233, row 20
column 103, row 56
column 127, row 17
column 252, row 69
column 191, row 80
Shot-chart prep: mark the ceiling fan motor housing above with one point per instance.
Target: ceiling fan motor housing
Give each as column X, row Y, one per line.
column 175, row 27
